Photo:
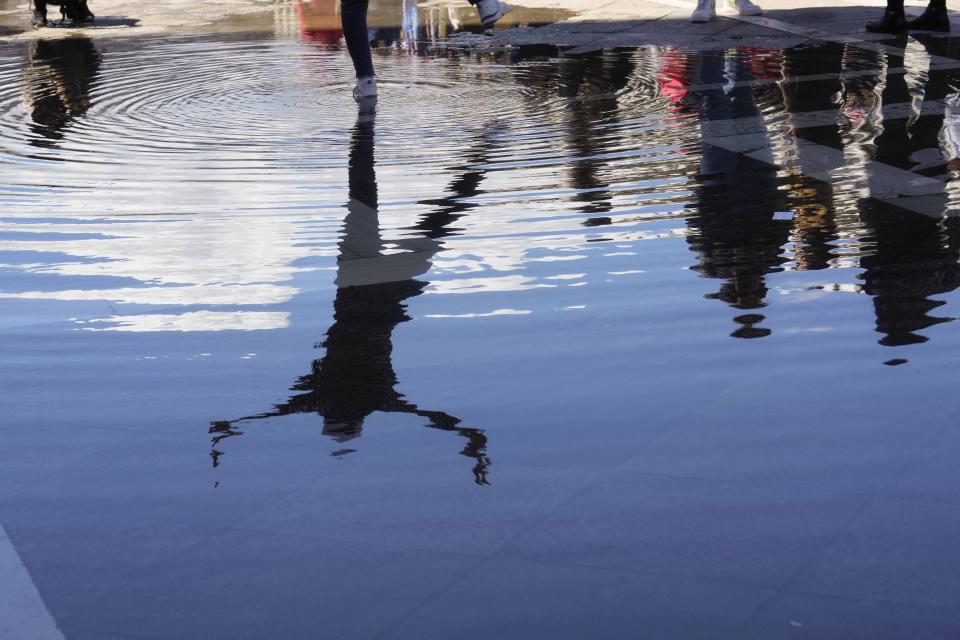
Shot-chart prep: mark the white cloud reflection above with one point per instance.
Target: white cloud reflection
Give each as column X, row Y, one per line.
column 193, row 321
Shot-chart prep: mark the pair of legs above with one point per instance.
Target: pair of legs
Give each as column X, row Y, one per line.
column 707, row 9
column 894, row 20
column 353, row 15
column 76, row 10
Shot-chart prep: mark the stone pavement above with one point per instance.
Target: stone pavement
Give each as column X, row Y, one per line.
column 635, row 23
column 593, row 25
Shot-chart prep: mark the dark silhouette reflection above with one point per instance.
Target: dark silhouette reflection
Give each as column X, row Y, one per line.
column 814, row 201
column 593, row 84
column 916, row 256
column 57, row 82
column 436, row 224
column 733, row 228
column 355, row 376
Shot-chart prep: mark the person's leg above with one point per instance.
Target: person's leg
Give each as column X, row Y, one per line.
column 893, row 20
column 490, row 11
column 353, row 15
column 935, row 18
column 39, row 13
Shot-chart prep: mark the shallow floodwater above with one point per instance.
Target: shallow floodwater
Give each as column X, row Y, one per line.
column 541, row 346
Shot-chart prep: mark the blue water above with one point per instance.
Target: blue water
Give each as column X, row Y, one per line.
column 539, row 332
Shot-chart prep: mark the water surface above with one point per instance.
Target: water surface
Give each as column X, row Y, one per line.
column 663, row 331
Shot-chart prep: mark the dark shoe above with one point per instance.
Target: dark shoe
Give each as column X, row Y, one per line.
column 891, row 22
column 39, row 19
column 932, row 20
column 85, row 15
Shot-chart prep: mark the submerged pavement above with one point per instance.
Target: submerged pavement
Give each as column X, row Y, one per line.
column 605, row 325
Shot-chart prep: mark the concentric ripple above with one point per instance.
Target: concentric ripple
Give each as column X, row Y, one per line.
column 194, row 111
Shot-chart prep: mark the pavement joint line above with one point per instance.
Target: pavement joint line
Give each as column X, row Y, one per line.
column 23, row 613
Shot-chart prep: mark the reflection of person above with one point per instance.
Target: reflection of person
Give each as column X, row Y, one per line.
column 57, row 83
column 355, row 32
column 593, row 83
column 706, row 10
column 915, row 256
column 814, row 201
column 355, row 376
column 733, row 230
column 894, row 20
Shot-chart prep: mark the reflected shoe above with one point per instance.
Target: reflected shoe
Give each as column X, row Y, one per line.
column 891, row 22
column 745, row 7
column 366, row 90
column 491, row 11
column 933, row 19
column 705, row 12
column 38, row 19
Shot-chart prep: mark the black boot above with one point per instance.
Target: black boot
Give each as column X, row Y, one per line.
column 933, row 19
column 893, row 21
column 83, row 12
column 39, row 18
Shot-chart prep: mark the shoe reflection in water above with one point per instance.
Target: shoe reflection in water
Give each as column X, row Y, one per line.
column 57, row 82
column 355, row 376
column 733, row 229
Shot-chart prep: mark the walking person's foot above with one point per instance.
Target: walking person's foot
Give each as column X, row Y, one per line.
column 891, row 22
column 705, row 12
column 745, row 7
column 491, row 11
column 932, row 19
column 366, row 90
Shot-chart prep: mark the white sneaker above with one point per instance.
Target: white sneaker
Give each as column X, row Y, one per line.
column 492, row 10
column 366, row 89
column 705, row 12
column 745, row 7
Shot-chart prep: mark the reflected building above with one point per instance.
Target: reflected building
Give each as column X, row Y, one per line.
column 355, row 376
column 57, row 81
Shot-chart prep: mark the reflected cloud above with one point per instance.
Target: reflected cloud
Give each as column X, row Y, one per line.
column 188, row 322
column 210, row 295
column 491, row 314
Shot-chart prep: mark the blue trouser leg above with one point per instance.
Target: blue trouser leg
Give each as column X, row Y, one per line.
column 353, row 14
